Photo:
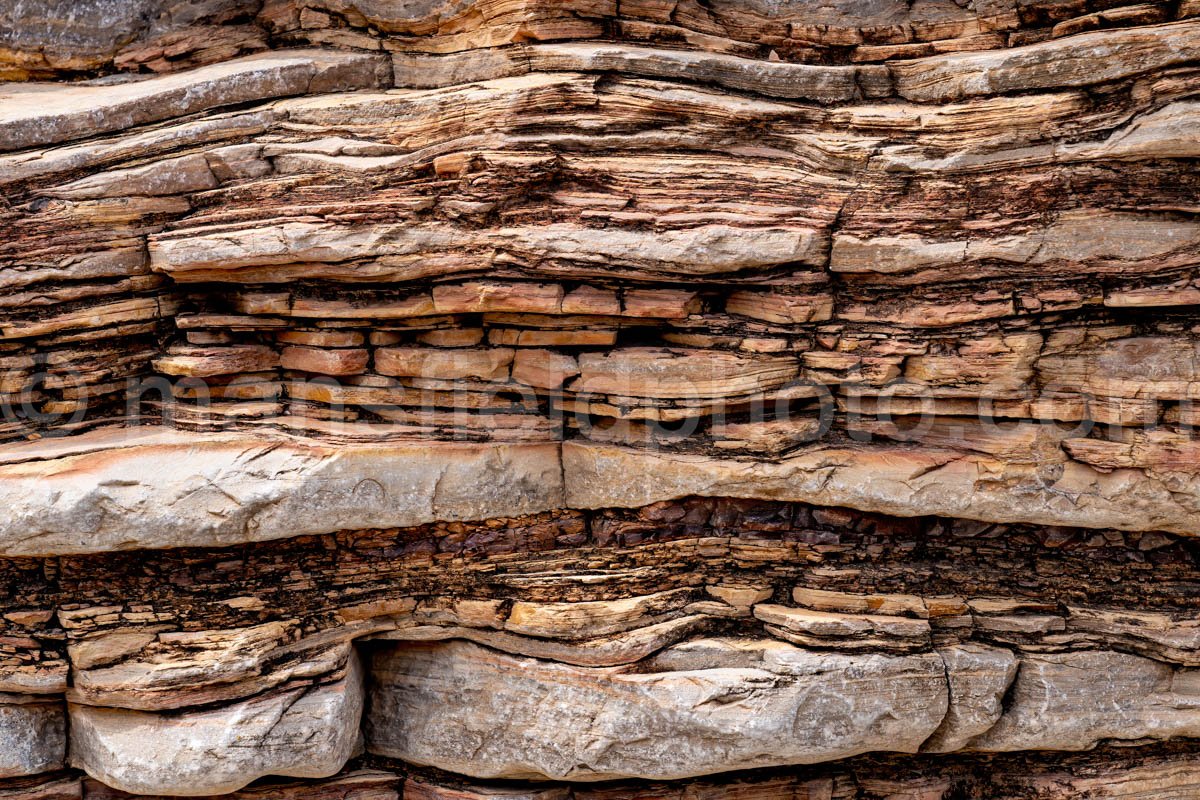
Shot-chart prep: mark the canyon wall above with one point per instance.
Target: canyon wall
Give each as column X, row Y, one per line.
column 599, row 400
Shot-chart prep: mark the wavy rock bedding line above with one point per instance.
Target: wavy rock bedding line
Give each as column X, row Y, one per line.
column 993, row 132
column 1104, row 261
column 752, row 652
column 54, row 38
column 366, row 226
column 147, row 668
column 215, row 214
column 41, row 114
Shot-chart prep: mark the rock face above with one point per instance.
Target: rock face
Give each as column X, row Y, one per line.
column 212, row 490
column 1059, row 702
column 301, row 731
column 762, row 704
column 33, row 737
column 683, row 639
column 582, row 400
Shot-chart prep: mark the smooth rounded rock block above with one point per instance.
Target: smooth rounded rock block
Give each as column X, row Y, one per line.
column 689, row 711
column 304, row 731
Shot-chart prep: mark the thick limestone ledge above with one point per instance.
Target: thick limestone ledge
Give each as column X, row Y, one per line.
column 464, row 708
column 714, row 705
column 152, row 488
column 899, row 481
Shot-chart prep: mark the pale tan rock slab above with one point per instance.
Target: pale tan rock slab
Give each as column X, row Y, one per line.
column 117, row 491
column 303, row 731
column 1072, row 701
column 899, row 481
column 824, row 84
column 464, row 708
column 978, row 676
column 1083, row 60
column 40, row 114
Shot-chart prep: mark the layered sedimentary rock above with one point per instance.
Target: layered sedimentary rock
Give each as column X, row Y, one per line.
column 571, row 399
column 299, row 730
column 682, row 639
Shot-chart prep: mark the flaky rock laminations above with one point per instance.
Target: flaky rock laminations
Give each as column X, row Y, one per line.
column 582, row 400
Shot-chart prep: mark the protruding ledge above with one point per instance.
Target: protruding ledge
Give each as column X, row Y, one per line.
column 46, row 113
column 123, row 490
column 157, row 488
column 901, row 481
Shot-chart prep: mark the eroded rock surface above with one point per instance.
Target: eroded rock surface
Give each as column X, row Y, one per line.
column 223, row 490
column 301, row 731
column 33, row 736
column 664, row 400
column 461, row 708
column 682, row 639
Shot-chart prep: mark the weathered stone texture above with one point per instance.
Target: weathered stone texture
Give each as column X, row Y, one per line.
column 32, row 737
column 300, row 731
column 458, row 707
column 642, row 392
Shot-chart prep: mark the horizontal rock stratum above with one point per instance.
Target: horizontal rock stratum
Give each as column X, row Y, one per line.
column 581, row 400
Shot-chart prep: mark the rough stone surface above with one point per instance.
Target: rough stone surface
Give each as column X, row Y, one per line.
column 1072, row 701
column 906, row 481
column 302, row 731
column 672, row 400
column 219, row 490
column 460, row 707
column 676, row 607
column 978, row 678
column 32, row 737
